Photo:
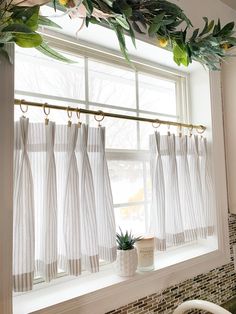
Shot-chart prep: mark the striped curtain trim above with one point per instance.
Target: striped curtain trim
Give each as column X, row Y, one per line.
column 47, row 271
column 175, row 239
column 210, row 230
column 190, row 235
column 23, row 282
column 108, row 254
column 91, row 263
column 74, row 267
column 160, row 244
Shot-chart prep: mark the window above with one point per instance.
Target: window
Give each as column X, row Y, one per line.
column 101, row 85
column 181, row 263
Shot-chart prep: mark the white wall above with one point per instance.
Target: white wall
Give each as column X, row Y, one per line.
column 213, row 9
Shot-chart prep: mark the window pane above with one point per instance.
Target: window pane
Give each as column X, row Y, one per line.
column 156, row 94
column 36, row 73
column 126, row 181
column 131, row 218
column 111, row 85
column 120, row 133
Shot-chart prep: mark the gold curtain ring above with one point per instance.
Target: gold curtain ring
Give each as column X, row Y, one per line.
column 200, row 129
column 44, row 109
column 26, row 106
column 78, row 113
column 46, row 113
column 99, row 117
column 69, row 112
column 156, row 124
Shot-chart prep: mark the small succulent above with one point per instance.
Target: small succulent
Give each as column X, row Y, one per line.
column 125, row 241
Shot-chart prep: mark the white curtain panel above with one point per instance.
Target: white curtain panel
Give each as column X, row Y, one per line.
column 63, row 208
column 182, row 193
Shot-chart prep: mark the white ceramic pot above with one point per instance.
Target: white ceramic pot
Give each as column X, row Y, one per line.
column 126, row 262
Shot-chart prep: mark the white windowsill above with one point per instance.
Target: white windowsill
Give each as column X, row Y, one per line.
column 106, row 291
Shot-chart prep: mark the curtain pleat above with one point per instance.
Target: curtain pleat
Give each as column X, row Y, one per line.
column 49, row 221
column 196, row 185
column 157, row 225
column 89, row 234
column 63, row 208
column 71, row 215
column 103, row 195
column 185, row 193
column 23, row 216
column 182, row 192
column 174, row 225
column 207, row 187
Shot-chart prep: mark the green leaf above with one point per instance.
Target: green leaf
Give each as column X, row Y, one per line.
column 227, row 29
column 27, row 40
column 121, row 39
column 210, row 26
column 194, row 36
column 55, row 5
column 27, row 16
column 123, row 22
column 128, row 11
column 156, row 24
column 132, row 35
column 17, row 28
column 42, row 20
column 48, row 51
column 180, row 55
column 89, row 5
column 204, row 31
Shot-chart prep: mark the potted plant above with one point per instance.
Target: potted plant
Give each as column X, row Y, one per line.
column 127, row 258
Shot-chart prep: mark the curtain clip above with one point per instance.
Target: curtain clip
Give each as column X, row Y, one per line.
column 168, row 128
column 180, row 130
column 78, row 116
column 190, row 130
column 69, row 114
column 46, row 113
column 201, row 129
column 99, row 117
column 23, row 110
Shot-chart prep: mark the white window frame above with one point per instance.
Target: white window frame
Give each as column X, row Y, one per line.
column 114, row 292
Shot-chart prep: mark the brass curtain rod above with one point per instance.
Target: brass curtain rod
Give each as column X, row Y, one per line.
column 199, row 128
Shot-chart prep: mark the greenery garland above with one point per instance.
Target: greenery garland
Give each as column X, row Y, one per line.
column 160, row 19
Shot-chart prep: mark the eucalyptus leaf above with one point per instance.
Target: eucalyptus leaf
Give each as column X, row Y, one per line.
column 27, row 40
column 156, row 24
column 123, row 22
column 227, row 29
column 48, row 51
column 42, row 20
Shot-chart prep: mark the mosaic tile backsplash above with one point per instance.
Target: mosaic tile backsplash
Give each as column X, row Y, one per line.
column 218, row 286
